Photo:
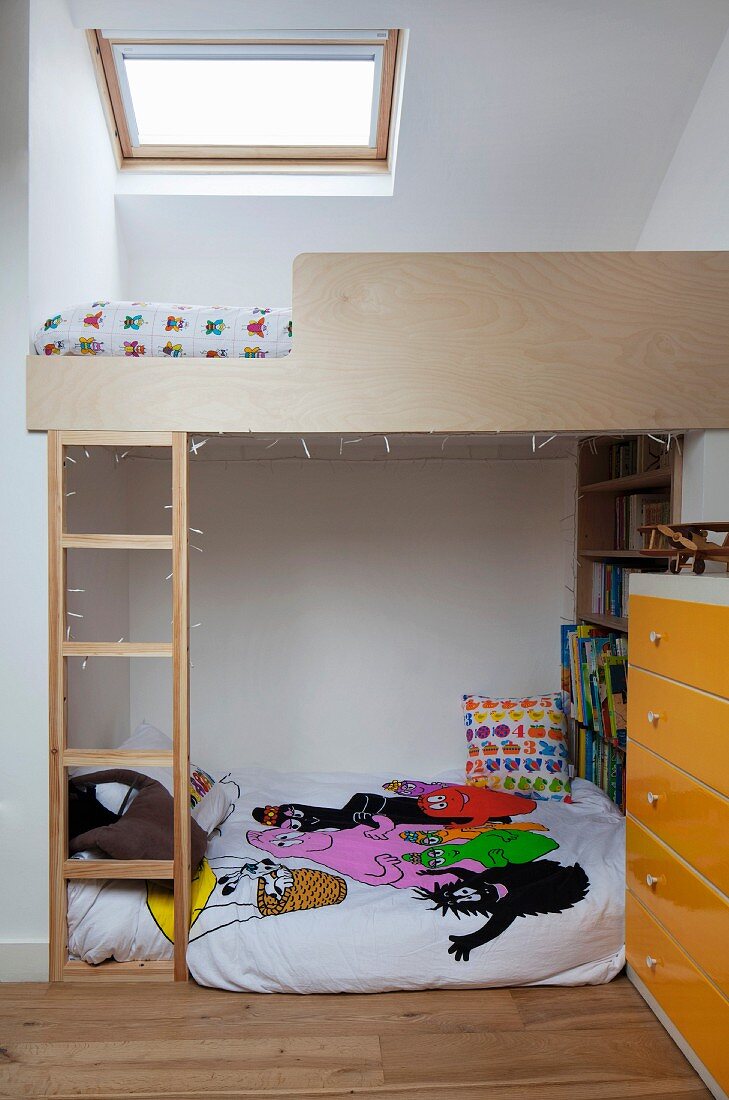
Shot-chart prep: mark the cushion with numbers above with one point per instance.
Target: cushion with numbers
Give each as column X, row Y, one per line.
column 517, row 744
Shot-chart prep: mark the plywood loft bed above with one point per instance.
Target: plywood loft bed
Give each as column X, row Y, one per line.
column 383, row 343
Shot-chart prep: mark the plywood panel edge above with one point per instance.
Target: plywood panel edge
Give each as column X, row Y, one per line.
column 116, row 396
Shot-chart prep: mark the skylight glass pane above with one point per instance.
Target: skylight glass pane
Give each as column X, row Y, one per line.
column 252, row 101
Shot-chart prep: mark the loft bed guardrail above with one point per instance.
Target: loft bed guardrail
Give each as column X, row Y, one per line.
column 447, row 342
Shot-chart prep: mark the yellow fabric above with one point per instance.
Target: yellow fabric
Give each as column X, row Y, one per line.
column 161, row 904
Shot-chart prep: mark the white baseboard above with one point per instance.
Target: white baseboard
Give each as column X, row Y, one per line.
column 23, row 962
column 712, row 1085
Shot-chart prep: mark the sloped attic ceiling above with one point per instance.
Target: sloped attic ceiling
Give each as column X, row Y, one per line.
column 526, row 124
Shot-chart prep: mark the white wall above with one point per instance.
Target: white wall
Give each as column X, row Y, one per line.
column 73, row 238
column 23, row 668
column 691, row 211
column 346, row 607
column 59, row 246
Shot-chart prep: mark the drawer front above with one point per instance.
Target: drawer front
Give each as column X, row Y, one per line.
column 684, row 641
column 686, row 727
column 695, row 914
column 695, row 1007
column 691, row 819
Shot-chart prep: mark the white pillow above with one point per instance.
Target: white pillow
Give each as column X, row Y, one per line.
column 136, row 329
column 213, row 808
column 145, row 738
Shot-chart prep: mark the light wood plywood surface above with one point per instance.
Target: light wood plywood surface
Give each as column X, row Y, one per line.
column 449, row 342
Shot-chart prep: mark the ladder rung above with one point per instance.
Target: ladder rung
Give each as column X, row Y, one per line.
column 118, row 868
column 156, row 970
column 117, row 649
column 116, row 439
column 116, row 758
column 116, row 542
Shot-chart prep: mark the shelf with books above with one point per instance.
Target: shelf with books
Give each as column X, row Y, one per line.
column 647, row 479
column 610, row 622
column 594, row 699
column 609, row 555
column 623, row 484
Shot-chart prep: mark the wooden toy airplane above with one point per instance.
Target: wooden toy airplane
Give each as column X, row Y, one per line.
column 687, row 541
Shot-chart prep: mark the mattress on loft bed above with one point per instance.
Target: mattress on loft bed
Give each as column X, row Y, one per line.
column 315, row 884
column 140, row 329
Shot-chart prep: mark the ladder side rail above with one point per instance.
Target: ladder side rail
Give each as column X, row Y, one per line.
column 181, row 700
column 58, row 713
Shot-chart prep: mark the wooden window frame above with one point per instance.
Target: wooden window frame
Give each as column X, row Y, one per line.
column 268, row 158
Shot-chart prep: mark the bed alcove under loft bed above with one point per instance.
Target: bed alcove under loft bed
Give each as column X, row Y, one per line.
column 580, row 343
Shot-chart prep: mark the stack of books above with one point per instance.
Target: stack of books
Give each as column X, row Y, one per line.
column 629, row 456
column 624, row 458
column 610, row 588
column 594, row 697
column 634, row 510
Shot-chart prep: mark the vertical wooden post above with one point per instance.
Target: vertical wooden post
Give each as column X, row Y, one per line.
column 57, row 686
column 181, row 699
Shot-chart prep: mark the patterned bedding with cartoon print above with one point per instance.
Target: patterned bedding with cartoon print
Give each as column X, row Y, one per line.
column 137, row 330
column 339, row 883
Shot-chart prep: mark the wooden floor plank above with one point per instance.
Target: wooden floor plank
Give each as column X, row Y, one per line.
column 604, row 1055
column 582, row 1008
column 177, row 1066
column 184, row 1042
column 165, row 1009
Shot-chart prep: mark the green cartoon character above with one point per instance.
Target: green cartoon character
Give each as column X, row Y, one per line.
column 492, row 848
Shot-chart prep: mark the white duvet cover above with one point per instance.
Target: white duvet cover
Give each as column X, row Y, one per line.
column 344, row 883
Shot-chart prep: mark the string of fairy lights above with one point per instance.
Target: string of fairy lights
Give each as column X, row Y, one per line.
column 196, row 445
column 118, row 458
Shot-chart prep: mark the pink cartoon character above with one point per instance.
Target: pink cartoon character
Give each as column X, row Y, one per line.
column 411, row 788
column 257, row 328
column 133, row 348
column 93, row 320
column 367, row 856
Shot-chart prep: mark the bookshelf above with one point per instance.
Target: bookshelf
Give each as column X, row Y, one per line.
column 651, row 472
column 622, row 482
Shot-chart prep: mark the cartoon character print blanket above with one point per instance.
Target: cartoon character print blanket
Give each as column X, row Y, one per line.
column 340, row 883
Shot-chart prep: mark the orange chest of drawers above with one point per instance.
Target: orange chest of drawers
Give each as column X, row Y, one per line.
column 677, row 909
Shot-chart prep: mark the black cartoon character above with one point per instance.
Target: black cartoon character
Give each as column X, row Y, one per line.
column 503, row 894
column 451, row 805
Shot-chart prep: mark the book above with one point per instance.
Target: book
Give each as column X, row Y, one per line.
column 617, row 695
column 594, row 687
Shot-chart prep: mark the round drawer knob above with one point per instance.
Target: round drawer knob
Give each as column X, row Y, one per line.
column 650, row 962
column 652, row 798
column 653, row 716
column 655, row 637
column 650, row 880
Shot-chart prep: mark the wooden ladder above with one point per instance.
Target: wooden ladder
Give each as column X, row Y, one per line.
column 62, row 869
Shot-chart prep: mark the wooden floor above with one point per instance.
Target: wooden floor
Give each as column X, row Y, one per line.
column 182, row 1041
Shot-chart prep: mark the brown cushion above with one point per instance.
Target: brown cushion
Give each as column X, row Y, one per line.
column 145, row 830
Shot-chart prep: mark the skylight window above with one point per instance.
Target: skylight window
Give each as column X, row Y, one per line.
column 256, row 101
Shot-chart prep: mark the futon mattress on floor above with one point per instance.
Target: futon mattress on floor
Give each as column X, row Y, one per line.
column 345, row 883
